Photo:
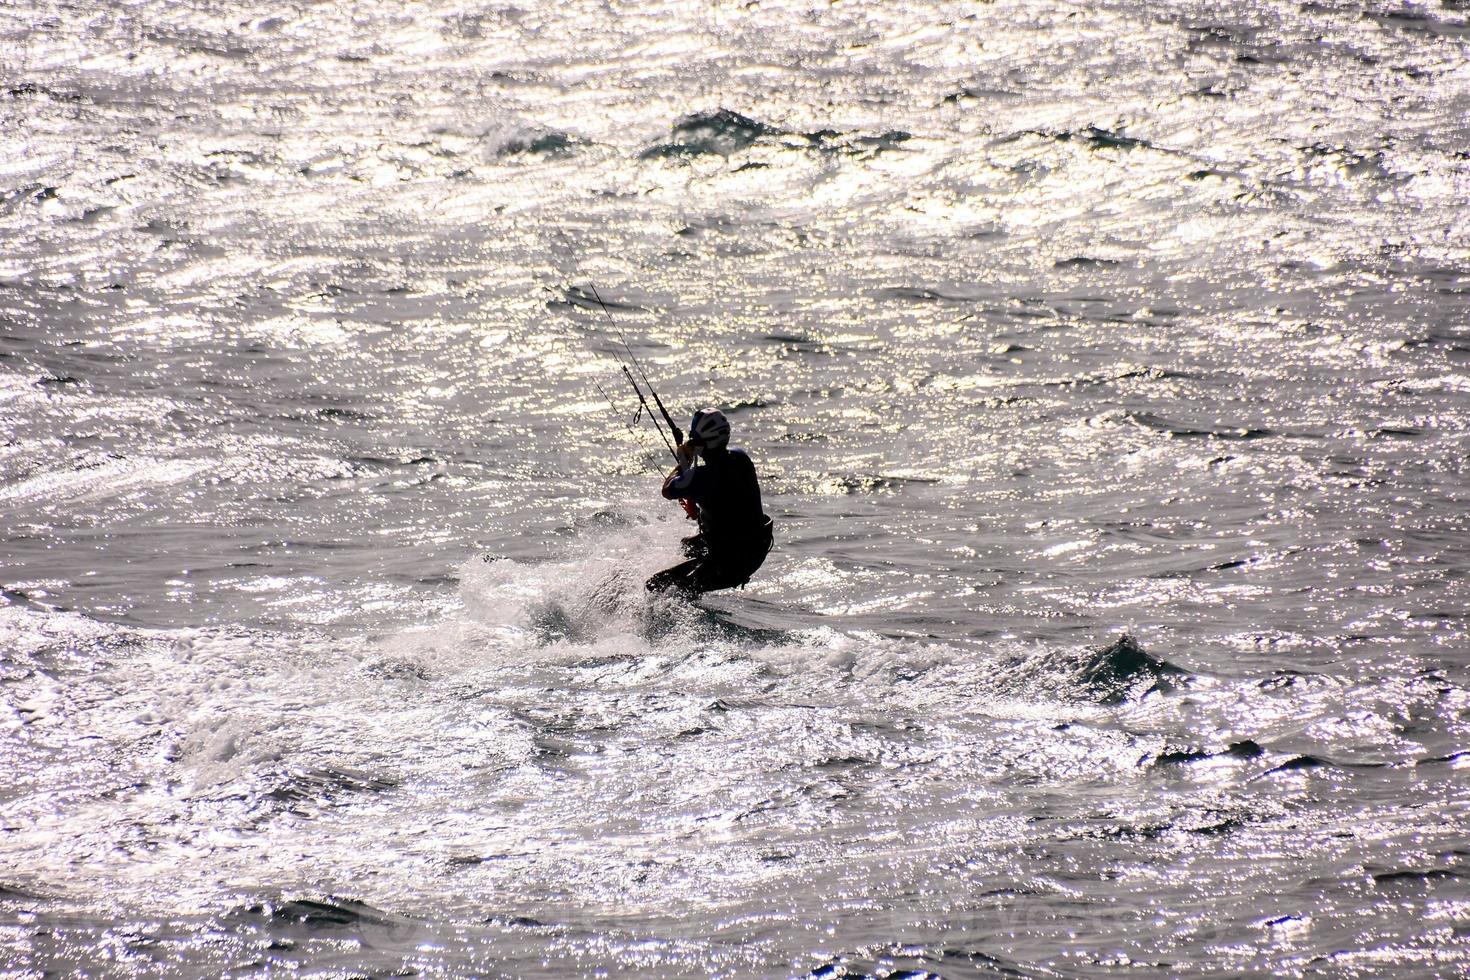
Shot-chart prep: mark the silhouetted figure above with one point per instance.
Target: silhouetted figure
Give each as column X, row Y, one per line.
column 723, row 492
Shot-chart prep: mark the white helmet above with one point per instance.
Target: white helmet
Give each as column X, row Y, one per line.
column 709, row 429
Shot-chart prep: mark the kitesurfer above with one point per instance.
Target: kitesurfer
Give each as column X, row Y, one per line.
column 724, row 495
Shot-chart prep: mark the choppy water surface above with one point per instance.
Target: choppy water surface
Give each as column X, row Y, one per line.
column 1048, row 325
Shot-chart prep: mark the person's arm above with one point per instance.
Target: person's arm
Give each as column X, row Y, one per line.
column 680, row 481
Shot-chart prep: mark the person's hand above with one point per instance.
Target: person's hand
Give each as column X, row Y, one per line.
column 685, row 454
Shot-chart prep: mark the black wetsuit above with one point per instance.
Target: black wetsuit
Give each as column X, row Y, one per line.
column 734, row 533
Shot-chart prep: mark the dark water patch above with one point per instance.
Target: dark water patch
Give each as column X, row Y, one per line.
column 333, row 913
column 28, row 89
column 1179, row 430
column 746, row 404
column 1175, row 757
column 58, row 381
column 1439, row 760
column 978, row 92
column 711, row 223
column 1419, row 20
column 387, row 462
column 1203, row 36
column 344, row 415
column 1198, row 175
column 549, row 144
column 287, row 545
column 1094, row 137
column 917, row 294
column 1107, row 827
column 1111, row 377
column 1443, row 273
column 1084, row 262
column 21, row 597
column 1411, row 876
column 840, row 762
column 895, row 728
column 1218, row 827
column 14, row 893
column 324, row 415
column 898, row 961
column 1113, row 673
column 516, row 921
column 332, row 290
column 243, row 156
column 1300, row 763
column 1286, row 678
column 555, row 754
column 576, row 297
column 1186, row 568
column 796, row 344
column 1262, row 56
column 325, row 785
column 1456, row 347
column 1347, row 160
column 1110, row 675
column 719, row 133
column 1244, row 749
column 1309, row 762
column 861, row 146
column 444, row 578
column 1052, row 316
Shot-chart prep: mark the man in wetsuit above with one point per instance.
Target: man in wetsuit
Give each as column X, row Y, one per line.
column 734, row 533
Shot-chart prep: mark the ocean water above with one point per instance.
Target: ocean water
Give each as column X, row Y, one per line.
column 1108, row 371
